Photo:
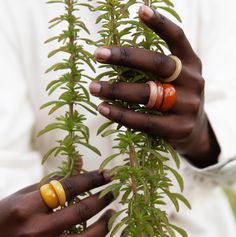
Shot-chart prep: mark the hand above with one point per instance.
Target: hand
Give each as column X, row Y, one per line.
column 186, row 126
column 25, row 213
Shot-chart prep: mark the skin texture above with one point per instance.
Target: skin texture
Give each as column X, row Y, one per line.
column 25, row 213
column 186, row 125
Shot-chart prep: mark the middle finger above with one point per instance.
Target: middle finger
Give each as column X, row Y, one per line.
column 68, row 217
column 158, row 63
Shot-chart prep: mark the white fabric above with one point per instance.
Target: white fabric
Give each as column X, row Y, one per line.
column 208, row 25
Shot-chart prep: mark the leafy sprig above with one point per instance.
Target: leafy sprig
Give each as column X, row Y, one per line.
column 74, row 95
column 143, row 178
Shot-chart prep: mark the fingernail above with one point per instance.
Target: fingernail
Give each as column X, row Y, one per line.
column 104, row 110
column 106, row 175
column 146, row 12
column 95, row 88
column 102, row 54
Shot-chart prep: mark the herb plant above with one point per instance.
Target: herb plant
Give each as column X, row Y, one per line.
column 143, row 177
column 74, row 95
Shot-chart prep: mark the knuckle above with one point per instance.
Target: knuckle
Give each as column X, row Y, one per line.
column 196, row 105
column 120, row 117
column 198, row 63
column 68, row 187
column 82, row 211
column 187, row 130
column 18, row 211
column 124, row 55
column 179, row 35
column 159, row 61
column 112, row 90
column 161, row 20
column 93, row 179
column 148, row 126
column 200, row 84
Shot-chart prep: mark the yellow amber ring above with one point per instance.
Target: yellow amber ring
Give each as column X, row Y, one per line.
column 60, row 192
column 49, row 196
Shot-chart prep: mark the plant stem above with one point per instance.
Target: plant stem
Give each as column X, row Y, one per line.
column 72, row 60
column 132, row 164
column 146, row 2
column 114, row 27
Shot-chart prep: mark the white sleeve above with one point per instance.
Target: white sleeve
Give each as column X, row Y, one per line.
column 19, row 164
column 217, row 50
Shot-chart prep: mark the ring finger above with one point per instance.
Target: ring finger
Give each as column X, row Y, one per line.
column 137, row 93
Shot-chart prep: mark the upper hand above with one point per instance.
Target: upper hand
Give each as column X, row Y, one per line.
column 25, row 213
column 186, row 125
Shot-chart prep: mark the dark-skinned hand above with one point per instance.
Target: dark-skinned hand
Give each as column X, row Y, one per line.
column 25, row 213
column 186, row 125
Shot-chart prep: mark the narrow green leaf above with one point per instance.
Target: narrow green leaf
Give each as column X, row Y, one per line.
column 113, row 218
column 179, row 230
column 107, row 161
column 173, row 154
column 90, row 147
column 178, row 178
column 48, row 154
column 183, row 199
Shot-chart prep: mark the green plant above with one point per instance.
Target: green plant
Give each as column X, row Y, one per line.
column 74, row 94
column 143, row 177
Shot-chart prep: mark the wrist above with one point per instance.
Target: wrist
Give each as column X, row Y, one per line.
column 204, row 150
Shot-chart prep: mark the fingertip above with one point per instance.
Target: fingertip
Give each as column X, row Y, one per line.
column 102, row 54
column 108, row 214
column 95, row 88
column 146, row 12
column 104, row 110
column 106, row 175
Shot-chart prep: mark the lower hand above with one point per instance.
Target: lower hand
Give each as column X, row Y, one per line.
column 25, row 213
column 186, row 125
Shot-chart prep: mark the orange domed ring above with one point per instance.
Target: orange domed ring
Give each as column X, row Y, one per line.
column 169, row 98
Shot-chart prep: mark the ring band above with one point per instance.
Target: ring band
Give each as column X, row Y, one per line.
column 60, row 192
column 160, row 95
column 49, row 196
column 177, row 71
column 153, row 94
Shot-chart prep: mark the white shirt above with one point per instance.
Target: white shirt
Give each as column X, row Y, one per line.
column 23, row 60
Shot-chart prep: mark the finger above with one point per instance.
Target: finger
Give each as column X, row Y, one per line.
column 74, row 186
column 169, row 31
column 78, row 184
column 28, row 189
column 167, row 127
column 98, row 229
column 77, row 213
column 163, row 66
column 130, row 92
column 35, row 186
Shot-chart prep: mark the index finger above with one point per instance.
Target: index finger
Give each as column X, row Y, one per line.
column 168, row 31
column 78, row 184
